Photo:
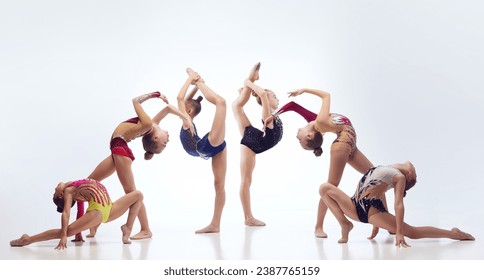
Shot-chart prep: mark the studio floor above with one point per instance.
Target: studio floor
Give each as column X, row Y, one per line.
column 286, row 237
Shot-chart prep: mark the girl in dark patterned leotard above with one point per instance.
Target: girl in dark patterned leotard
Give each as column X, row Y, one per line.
column 367, row 205
column 255, row 141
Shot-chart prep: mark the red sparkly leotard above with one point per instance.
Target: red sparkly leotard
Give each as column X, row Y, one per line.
column 119, row 145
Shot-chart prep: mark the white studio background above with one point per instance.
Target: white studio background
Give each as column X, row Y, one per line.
column 407, row 73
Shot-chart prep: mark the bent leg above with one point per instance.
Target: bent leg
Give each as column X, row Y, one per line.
column 131, row 201
column 339, row 157
column 103, row 170
column 341, row 206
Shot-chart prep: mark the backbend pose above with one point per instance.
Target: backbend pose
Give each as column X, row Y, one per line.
column 343, row 148
column 255, row 141
column 211, row 145
column 154, row 141
column 367, row 205
column 100, row 210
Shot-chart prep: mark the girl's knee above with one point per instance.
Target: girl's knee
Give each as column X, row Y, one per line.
column 324, row 188
column 139, row 195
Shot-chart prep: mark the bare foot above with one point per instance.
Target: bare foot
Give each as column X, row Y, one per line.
column 22, row 241
column 254, row 223
column 209, row 229
column 345, row 231
column 254, row 72
column 319, row 233
column 92, row 232
column 460, row 235
column 193, row 75
column 126, row 232
column 142, row 235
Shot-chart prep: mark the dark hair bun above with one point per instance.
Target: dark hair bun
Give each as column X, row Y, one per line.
column 148, row 155
column 199, row 99
column 318, row 151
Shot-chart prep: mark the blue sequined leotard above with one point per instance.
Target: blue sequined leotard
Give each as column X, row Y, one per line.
column 199, row 147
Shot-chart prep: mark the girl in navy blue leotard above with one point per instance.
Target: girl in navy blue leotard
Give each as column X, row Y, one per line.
column 212, row 144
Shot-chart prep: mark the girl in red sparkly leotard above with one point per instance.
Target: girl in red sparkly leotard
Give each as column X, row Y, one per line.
column 154, row 141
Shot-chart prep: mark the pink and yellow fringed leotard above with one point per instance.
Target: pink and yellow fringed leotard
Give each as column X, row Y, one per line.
column 96, row 194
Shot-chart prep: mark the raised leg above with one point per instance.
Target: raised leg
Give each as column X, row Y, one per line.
column 217, row 132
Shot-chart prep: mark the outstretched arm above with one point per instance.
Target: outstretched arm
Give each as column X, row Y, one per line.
column 376, row 229
column 322, row 120
column 399, row 183
column 303, row 112
column 65, row 219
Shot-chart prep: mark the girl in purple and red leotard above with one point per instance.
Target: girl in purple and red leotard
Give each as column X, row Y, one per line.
column 343, row 148
column 154, row 141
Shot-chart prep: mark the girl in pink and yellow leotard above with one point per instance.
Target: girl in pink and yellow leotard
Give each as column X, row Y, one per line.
column 100, row 210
